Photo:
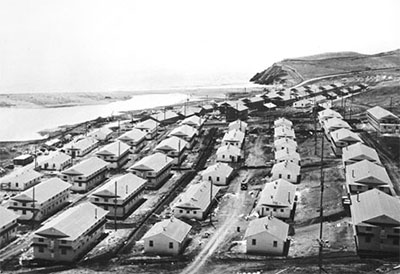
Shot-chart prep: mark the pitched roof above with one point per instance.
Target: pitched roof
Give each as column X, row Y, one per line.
column 82, row 144
column 147, row 124
column 104, row 131
column 193, row 120
column 234, row 135
column 283, row 122
column 270, row 105
column 270, row 225
column 329, row 113
column 172, row 228
column 231, row 150
column 21, row 176
column 380, row 113
column 6, row 216
column 172, row 143
column 189, row 110
column 278, row 193
column 374, row 207
column 134, row 135
column 154, row 162
column 345, row 135
column 73, row 222
column 359, row 151
column 336, row 123
column 286, row 154
column 366, row 172
column 197, row 196
column 116, row 148
column 283, row 131
column 56, row 157
column 86, row 167
column 285, row 142
column 285, row 165
column 127, row 185
column 220, row 168
column 43, row 191
column 162, row 116
column 238, row 124
column 184, row 130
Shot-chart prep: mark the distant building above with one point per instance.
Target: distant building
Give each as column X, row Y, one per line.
column 116, row 153
column 277, row 199
column 304, row 103
column 174, row 147
column 194, row 121
column 23, row 160
column 285, row 143
column 342, row 138
column 167, row 237
column 234, row 110
column 376, row 221
column 234, row 138
column 188, row 111
column 155, row 168
column 8, row 226
column 20, row 179
column 255, row 102
column 166, row 117
column 229, row 154
column 56, row 161
column 286, row 170
column 365, row 175
column 327, row 114
column 41, row 201
column 196, row 201
column 119, row 195
column 238, row 125
column 135, row 138
column 270, row 106
column 150, row 127
column 86, row 174
column 358, row 152
column 383, row 120
column 82, row 147
column 70, row 235
column 219, row 174
column 186, row 133
column 334, row 124
column 102, row 134
column 268, row 236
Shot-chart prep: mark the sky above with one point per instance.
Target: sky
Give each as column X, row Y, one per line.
column 98, row 45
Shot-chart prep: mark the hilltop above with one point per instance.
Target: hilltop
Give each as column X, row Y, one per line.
column 296, row 70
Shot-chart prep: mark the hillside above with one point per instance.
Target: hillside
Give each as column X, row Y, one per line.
column 293, row 71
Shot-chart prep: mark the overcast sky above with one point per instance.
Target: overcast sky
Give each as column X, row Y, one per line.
column 95, row 45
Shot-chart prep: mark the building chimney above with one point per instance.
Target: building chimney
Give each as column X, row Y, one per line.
column 289, row 197
column 358, row 196
column 352, row 173
column 95, row 213
column 266, row 226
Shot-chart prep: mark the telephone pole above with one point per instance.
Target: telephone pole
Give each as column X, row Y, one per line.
column 321, row 212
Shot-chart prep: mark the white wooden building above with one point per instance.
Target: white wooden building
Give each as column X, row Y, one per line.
column 358, row 152
column 116, row 154
column 287, row 155
column 174, row 147
column 150, row 127
column 20, row 179
column 229, row 154
column 238, row 125
column 82, row 147
column 8, row 226
column 186, row 133
column 234, row 138
column 285, row 143
column 218, row 173
column 135, row 138
column 102, row 134
column 283, row 122
column 286, row 170
column 56, row 161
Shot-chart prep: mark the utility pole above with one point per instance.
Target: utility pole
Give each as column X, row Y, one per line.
column 115, row 205
column 321, row 213
column 315, row 128
column 33, row 207
column 211, row 186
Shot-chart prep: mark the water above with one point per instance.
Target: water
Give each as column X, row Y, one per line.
column 19, row 124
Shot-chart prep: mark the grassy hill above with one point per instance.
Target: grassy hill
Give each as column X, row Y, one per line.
column 295, row 70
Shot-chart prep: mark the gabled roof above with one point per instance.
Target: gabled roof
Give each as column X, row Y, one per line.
column 23, row 157
column 292, row 167
column 184, row 130
column 82, row 144
column 154, row 162
column 220, row 168
column 172, row 143
column 283, row 131
column 197, row 196
column 6, row 216
column 283, row 122
column 256, row 99
column 21, row 176
column 163, row 116
column 231, row 150
column 189, row 110
column 380, row 113
column 336, row 123
column 359, row 152
column 238, row 105
column 43, row 191
column 285, row 142
column 286, row 154
column 133, row 135
column 345, row 135
column 172, row 228
column 238, row 124
column 193, row 120
column 375, row 207
column 234, row 135
column 56, row 157
column 73, row 222
column 329, row 113
column 270, row 105
column 366, row 172
column 147, row 124
column 104, row 131
column 279, row 193
column 86, row 167
column 270, row 225
column 127, row 185
column 114, row 149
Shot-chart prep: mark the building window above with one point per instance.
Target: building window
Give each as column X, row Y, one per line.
column 63, row 242
column 368, row 228
column 41, row 250
column 41, row 240
column 288, row 176
column 209, row 178
column 368, row 239
column 253, row 242
column 181, row 211
column 274, row 209
column 63, row 251
column 171, row 245
column 280, row 176
column 217, row 179
column 188, row 211
column 23, row 212
column 282, row 210
column 275, row 243
column 151, row 243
